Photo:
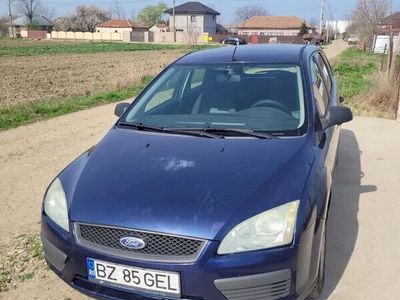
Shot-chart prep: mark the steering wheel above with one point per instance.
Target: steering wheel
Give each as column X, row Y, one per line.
column 272, row 103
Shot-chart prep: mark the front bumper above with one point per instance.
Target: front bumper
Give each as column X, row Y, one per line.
column 269, row 274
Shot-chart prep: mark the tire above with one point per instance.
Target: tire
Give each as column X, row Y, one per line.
column 320, row 280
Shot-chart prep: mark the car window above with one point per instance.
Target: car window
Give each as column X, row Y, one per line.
column 319, row 89
column 164, row 93
column 197, row 77
column 325, row 72
column 263, row 97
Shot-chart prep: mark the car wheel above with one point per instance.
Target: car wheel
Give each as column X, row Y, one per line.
column 320, row 280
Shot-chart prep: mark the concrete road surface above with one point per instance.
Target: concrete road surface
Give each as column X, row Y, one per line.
column 363, row 256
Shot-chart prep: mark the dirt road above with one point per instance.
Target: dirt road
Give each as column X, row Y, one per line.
column 362, row 229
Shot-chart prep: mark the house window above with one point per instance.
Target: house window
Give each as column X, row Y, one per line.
column 262, row 33
column 245, row 33
column 214, row 18
column 116, row 31
column 193, row 18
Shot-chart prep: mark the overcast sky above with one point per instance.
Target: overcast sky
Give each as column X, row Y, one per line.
column 307, row 9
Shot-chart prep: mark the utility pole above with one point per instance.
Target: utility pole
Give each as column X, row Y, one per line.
column 11, row 18
column 174, row 18
column 321, row 20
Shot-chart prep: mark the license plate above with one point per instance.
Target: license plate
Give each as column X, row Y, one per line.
column 133, row 278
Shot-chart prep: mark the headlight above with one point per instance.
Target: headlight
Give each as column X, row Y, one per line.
column 55, row 204
column 272, row 228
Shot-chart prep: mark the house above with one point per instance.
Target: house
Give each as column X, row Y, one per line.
column 160, row 27
column 271, row 25
column 23, row 24
column 120, row 26
column 390, row 24
column 193, row 17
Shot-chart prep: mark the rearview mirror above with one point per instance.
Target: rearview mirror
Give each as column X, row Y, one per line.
column 336, row 115
column 120, row 109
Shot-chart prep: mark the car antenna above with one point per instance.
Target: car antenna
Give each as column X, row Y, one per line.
column 234, row 52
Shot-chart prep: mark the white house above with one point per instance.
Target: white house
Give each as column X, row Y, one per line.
column 193, row 17
column 161, row 27
column 120, row 26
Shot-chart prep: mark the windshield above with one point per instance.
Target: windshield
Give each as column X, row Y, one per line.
column 256, row 97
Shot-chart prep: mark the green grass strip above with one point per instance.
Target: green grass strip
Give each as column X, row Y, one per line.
column 23, row 114
column 353, row 68
column 91, row 47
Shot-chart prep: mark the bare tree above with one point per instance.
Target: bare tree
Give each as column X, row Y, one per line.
column 246, row 12
column 28, row 8
column 85, row 19
column 118, row 11
column 4, row 25
column 366, row 17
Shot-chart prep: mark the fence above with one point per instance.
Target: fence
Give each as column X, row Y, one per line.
column 71, row 35
column 166, row 37
column 262, row 39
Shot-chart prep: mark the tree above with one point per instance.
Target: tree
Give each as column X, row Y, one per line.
column 4, row 25
column 303, row 28
column 28, row 8
column 366, row 17
column 85, row 19
column 88, row 17
column 152, row 14
column 118, row 12
column 246, row 12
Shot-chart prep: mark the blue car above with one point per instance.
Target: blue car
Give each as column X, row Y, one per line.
column 214, row 183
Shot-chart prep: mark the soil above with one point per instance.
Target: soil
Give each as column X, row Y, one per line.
column 31, row 78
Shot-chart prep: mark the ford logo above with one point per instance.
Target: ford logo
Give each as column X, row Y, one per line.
column 131, row 242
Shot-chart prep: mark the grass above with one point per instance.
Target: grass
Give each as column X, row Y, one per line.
column 367, row 91
column 23, row 114
column 46, row 48
column 23, row 261
column 353, row 70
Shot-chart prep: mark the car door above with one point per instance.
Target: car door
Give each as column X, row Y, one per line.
column 324, row 89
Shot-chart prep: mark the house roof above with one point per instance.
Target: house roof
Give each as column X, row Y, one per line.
column 272, row 22
column 395, row 16
column 160, row 25
column 38, row 20
column 121, row 23
column 393, row 19
column 192, row 8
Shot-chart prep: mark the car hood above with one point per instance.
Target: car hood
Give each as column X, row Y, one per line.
column 184, row 185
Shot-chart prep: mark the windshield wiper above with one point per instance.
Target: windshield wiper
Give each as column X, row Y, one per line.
column 200, row 133
column 243, row 132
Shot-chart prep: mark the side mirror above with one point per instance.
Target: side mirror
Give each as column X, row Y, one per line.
column 120, row 109
column 336, row 115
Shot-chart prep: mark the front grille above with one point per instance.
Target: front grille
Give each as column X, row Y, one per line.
column 158, row 246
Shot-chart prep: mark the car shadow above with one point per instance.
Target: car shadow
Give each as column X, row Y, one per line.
column 342, row 222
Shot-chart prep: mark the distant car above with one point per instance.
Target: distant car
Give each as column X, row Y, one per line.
column 353, row 39
column 233, row 41
column 214, row 184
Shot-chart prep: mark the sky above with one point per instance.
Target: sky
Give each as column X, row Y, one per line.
column 307, row 9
